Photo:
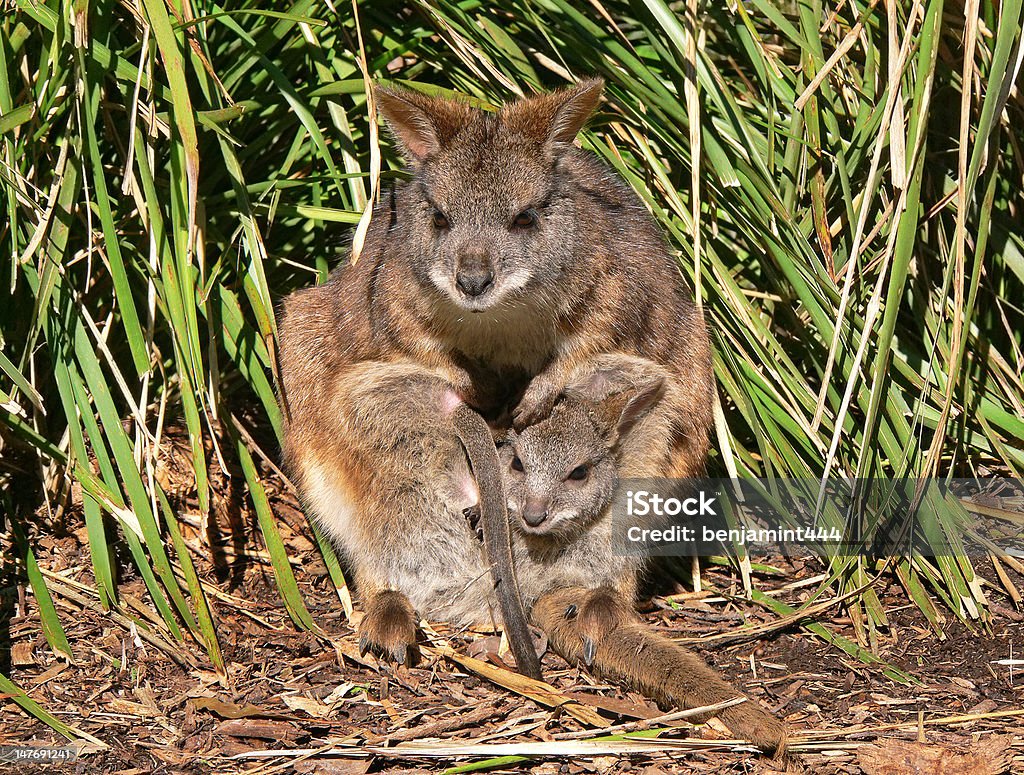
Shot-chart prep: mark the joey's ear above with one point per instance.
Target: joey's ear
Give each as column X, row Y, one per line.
column 620, row 411
column 638, row 403
column 556, row 118
column 421, row 124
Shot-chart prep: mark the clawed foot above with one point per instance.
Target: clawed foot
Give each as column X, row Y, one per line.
column 388, row 629
column 749, row 721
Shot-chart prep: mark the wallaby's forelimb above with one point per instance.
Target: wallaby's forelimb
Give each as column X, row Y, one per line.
column 599, row 629
column 483, row 459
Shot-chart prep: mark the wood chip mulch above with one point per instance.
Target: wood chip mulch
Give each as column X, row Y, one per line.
column 294, row 701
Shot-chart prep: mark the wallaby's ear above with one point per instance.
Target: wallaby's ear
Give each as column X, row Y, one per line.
column 633, row 405
column 620, row 397
column 556, row 118
column 421, row 124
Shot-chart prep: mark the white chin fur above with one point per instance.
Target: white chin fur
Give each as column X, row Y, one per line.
column 492, row 300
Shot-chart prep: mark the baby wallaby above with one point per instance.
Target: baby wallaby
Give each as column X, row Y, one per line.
column 560, row 477
column 561, row 473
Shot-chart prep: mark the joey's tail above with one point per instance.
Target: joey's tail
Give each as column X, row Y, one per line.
column 483, row 458
column 599, row 628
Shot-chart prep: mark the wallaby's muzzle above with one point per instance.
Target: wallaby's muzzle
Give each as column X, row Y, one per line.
column 474, row 282
column 474, row 275
column 535, row 512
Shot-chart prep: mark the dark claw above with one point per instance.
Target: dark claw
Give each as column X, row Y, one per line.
column 364, row 645
column 400, row 654
column 571, row 611
column 589, row 651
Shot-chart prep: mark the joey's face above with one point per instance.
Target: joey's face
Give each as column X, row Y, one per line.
column 492, row 231
column 560, row 475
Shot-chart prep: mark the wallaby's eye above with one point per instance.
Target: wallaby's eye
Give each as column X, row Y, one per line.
column 517, row 464
column 525, row 218
column 440, row 220
column 579, row 473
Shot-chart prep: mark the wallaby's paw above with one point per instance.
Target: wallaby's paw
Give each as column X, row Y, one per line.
column 536, row 403
column 388, row 629
column 749, row 721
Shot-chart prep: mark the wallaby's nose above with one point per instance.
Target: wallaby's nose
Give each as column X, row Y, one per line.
column 535, row 511
column 473, row 274
column 474, row 281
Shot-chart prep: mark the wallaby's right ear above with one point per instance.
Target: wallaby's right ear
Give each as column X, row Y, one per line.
column 637, row 403
column 555, row 118
column 421, row 124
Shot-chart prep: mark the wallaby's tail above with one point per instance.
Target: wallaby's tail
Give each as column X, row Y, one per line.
column 600, row 629
column 476, row 437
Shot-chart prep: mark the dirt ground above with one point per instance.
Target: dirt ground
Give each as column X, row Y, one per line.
column 159, row 706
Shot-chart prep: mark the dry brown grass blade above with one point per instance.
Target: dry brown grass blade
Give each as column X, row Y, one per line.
column 648, row 723
column 844, row 47
column 824, row 736
column 570, row 748
column 538, row 691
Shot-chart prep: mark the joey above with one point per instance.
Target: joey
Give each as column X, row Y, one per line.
column 560, row 478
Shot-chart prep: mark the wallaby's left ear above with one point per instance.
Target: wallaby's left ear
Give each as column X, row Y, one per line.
column 556, row 118
column 620, row 396
column 633, row 405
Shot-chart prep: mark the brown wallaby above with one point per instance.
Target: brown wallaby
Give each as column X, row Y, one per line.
column 560, row 478
column 461, row 479
column 507, row 259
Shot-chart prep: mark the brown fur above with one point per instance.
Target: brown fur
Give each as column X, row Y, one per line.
column 589, row 275
column 597, row 626
column 580, row 589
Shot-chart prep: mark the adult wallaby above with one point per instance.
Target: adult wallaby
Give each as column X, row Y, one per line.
column 509, row 258
column 560, row 478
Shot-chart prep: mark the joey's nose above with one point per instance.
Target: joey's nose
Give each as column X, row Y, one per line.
column 474, row 281
column 535, row 512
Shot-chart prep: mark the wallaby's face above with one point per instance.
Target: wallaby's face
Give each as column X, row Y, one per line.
column 560, row 474
column 486, row 218
column 492, row 224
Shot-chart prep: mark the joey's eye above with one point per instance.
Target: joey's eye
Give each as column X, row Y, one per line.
column 517, row 464
column 525, row 218
column 579, row 473
column 440, row 220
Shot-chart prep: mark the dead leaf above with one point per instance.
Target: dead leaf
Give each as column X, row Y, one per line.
column 897, row 757
column 56, row 669
column 231, row 710
column 22, row 654
column 616, row 706
column 333, row 766
column 264, row 729
column 129, row 708
column 314, row 708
